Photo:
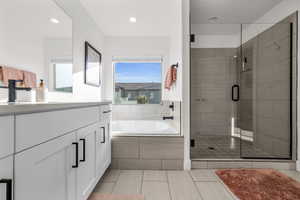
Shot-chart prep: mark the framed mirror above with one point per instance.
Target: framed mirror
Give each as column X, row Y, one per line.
column 93, row 59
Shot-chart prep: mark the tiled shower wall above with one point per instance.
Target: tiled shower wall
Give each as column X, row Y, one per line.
column 212, row 75
column 271, row 80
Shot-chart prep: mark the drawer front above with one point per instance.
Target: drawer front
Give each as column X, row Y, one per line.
column 6, row 136
column 33, row 129
column 6, row 177
column 105, row 113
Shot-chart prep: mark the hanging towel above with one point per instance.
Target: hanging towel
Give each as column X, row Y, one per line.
column 168, row 80
column 174, row 74
column 171, row 77
column 9, row 73
column 29, row 79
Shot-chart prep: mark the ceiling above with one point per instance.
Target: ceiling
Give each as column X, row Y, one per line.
column 154, row 17
column 230, row 11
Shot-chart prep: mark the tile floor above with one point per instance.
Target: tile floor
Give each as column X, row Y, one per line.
column 169, row 185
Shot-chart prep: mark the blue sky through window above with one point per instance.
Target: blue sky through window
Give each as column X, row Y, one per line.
column 137, row 72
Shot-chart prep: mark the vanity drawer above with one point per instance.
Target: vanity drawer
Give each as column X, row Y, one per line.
column 6, row 136
column 36, row 128
column 105, row 113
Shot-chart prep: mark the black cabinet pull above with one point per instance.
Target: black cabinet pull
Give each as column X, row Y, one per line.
column 76, row 155
column 107, row 111
column 108, row 130
column 83, row 149
column 8, row 183
column 103, row 135
column 237, row 96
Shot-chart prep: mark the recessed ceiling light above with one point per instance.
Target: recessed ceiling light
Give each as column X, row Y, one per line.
column 54, row 21
column 132, row 19
column 213, row 19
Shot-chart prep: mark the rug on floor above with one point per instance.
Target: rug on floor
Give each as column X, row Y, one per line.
column 260, row 184
column 96, row 196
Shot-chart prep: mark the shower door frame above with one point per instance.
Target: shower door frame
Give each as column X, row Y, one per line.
column 293, row 133
column 291, row 81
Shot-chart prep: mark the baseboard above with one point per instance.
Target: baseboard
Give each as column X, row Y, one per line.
column 187, row 164
column 222, row 164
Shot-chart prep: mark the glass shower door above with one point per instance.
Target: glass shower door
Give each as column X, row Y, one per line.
column 265, row 117
column 213, row 73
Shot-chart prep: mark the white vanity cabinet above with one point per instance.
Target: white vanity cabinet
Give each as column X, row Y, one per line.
column 65, row 155
column 105, row 117
column 47, row 171
column 6, row 157
column 6, row 178
column 101, row 150
column 6, row 136
column 86, row 172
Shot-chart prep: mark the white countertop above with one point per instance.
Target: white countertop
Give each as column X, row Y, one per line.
column 33, row 107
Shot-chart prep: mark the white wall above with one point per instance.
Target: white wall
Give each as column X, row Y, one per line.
column 185, row 108
column 23, row 51
column 276, row 14
column 175, row 93
column 84, row 29
column 216, row 35
column 216, row 41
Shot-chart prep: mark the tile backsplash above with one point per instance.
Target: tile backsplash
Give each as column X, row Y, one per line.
column 23, row 96
column 141, row 112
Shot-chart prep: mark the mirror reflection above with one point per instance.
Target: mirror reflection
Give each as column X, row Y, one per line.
column 36, row 39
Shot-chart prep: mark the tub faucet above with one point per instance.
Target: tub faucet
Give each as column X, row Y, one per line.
column 12, row 94
column 170, row 117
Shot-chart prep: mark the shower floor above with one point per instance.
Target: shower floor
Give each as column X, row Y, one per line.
column 224, row 147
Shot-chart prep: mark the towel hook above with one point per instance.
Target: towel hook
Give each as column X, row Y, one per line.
column 176, row 65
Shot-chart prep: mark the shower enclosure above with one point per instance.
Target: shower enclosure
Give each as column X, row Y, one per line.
column 243, row 90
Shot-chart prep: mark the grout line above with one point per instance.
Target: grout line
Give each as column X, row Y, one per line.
column 194, row 183
column 141, row 188
column 159, row 181
column 115, row 182
column 169, row 188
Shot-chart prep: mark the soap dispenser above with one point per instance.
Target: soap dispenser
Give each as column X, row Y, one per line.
column 41, row 92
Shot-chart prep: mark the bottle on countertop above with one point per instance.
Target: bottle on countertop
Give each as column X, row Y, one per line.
column 41, row 92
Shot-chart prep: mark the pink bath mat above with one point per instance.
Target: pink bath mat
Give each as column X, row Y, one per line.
column 260, row 184
column 96, row 196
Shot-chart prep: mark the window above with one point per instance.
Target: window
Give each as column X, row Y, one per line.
column 138, row 82
column 63, row 80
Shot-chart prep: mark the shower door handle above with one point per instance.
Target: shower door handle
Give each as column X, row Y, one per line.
column 235, row 93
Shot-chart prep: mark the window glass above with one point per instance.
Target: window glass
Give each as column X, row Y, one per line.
column 137, row 82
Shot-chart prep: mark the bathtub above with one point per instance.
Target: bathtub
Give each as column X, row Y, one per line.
column 143, row 128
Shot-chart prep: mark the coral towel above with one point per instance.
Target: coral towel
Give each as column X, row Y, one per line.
column 9, row 73
column 29, row 79
column 171, row 77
